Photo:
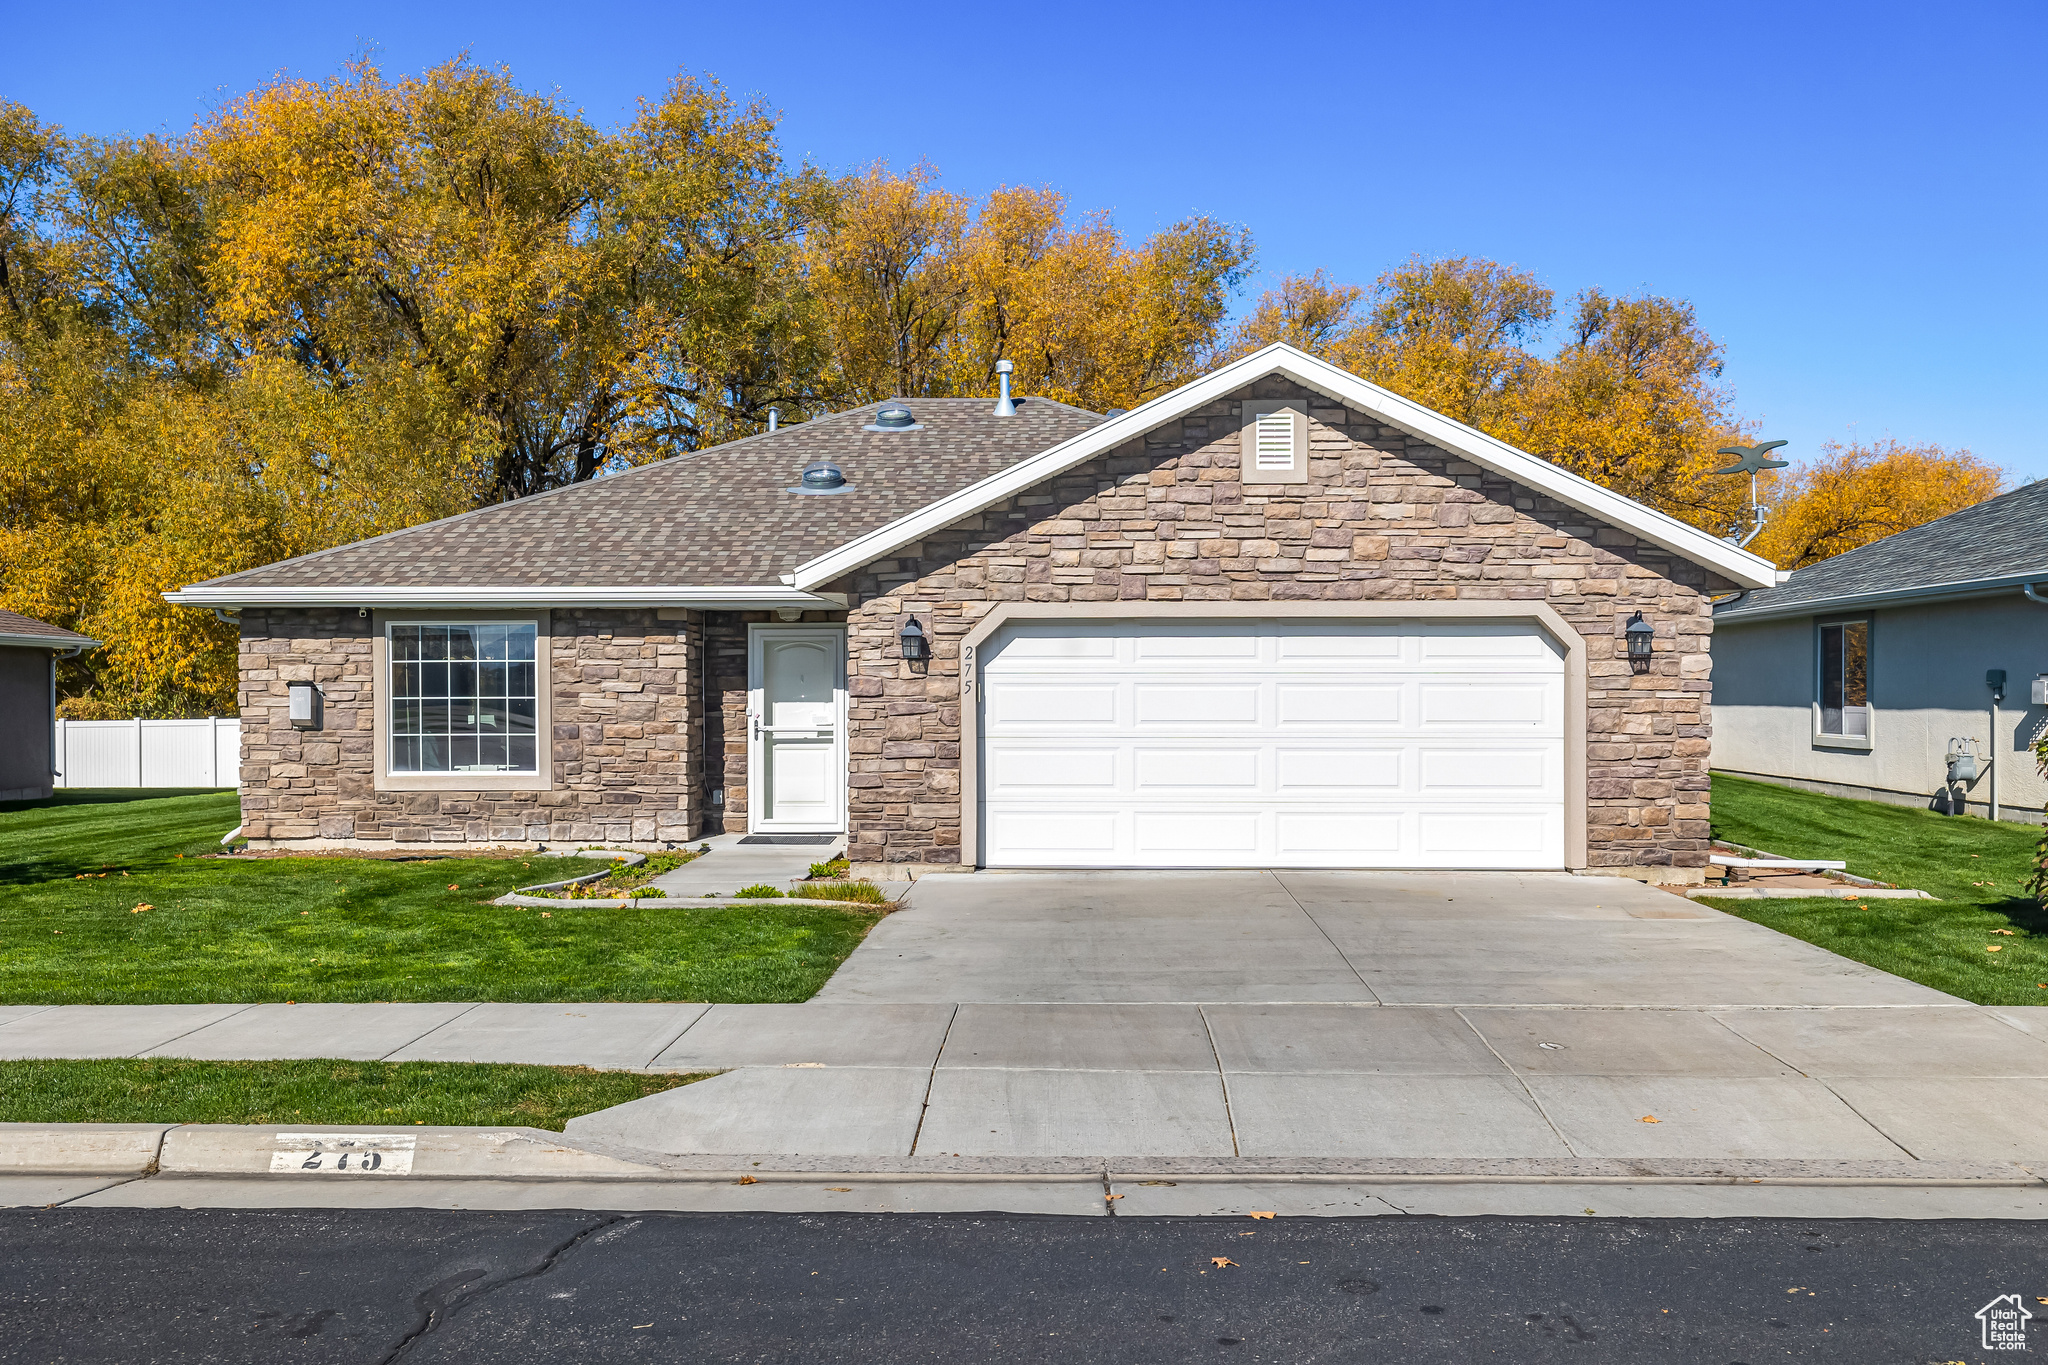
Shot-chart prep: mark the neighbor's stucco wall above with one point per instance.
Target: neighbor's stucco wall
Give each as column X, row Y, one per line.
column 25, row 731
column 1385, row 517
column 624, row 750
column 1927, row 666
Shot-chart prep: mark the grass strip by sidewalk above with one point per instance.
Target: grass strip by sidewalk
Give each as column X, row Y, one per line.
column 1976, row 868
column 168, row 1090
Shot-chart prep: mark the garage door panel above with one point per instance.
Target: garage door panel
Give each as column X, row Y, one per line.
column 1057, row 837
column 1234, row 770
column 1014, row 769
column 1196, row 835
column 1497, row 705
column 1200, row 705
column 1453, row 772
column 1283, row 744
column 1360, row 834
column 1043, row 704
column 1331, row 771
column 1349, row 707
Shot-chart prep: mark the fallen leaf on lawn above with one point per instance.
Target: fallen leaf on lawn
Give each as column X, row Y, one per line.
column 1649, row 1118
column 457, row 886
column 140, row 908
column 638, row 1325
column 1221, row 1261
column 746, row 1180
column 547, row 914
column 1994, row 947
column 2002, row 931
column 1258, row 1213
column 1111, row 1198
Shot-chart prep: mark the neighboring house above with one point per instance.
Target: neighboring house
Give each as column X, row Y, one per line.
column 1278, row 617
column 29, row 650
column 1862, row 674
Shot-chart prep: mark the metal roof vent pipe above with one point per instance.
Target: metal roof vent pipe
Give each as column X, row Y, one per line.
column 1005, row 406
column 774, row 418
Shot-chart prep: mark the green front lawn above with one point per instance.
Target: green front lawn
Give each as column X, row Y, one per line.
column 453, row 1094
column 76, row 872
column 1976, row 869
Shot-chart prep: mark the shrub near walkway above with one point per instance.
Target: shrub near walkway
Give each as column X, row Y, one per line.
column 1978, row 871
column 74, row 930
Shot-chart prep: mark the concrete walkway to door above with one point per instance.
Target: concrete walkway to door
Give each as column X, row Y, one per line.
column 1418, row 1021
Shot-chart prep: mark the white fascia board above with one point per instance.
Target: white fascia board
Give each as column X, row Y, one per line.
column 45, row 642
column 1926, row 593
column 1602, row 504
column 709, row 599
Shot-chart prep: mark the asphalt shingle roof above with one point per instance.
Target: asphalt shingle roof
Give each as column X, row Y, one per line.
column 14, row 623
column 718, row 518
column 2001, row 538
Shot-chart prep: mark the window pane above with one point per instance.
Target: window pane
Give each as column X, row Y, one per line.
column 519, row 715
column 462, row 752
column 433, row 755
column 433, row 680
column 405, row 642
column 521, row 756
column 461, row 642
column 490, row 751
column 491, row 680
column 519, row 643
column 1856, row 664
column 405, row 756
column 490, row 642
column 461, row 679
column 519, row 680
column 405, row 680
column 433, row 642
column 1831, row 680
column 405, row 717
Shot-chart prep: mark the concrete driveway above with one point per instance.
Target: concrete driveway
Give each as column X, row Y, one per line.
column 1394, row 1018
column 1395, row 938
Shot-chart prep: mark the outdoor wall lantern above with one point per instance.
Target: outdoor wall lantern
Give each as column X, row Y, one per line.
column 916, row 648
column 304, row 711
column 1639, row 633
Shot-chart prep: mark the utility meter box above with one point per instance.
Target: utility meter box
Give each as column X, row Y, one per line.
column 2039, row 696
column 304, row 712
column 1962, row 767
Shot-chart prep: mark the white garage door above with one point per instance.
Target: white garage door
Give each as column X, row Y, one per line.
column 1272, row 744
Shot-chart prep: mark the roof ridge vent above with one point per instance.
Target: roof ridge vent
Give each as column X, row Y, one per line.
column 894, row 415
column 1004, row 406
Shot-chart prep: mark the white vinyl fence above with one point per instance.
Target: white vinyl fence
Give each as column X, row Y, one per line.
column 149, row 753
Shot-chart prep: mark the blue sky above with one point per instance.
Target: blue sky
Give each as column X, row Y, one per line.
column 1851, row 195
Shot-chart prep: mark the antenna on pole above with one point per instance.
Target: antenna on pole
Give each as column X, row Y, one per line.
column 1752, row 460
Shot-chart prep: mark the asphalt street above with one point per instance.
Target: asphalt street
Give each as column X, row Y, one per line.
column 358, row 1286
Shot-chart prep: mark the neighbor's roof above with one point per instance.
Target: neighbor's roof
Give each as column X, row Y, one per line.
column 1995, row 545
column 721, row 518
column 16, row 629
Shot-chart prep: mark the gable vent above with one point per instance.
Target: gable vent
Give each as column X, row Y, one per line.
column 1273, row 440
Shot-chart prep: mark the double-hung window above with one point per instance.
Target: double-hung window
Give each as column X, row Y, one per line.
column 1845, row 680
column 463, row 698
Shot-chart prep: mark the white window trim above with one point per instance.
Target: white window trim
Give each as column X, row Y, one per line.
column 1868, row 740
column 385, row 780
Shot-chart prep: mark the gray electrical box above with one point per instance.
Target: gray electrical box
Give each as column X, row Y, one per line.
column 2040, row 693
column 305, row 706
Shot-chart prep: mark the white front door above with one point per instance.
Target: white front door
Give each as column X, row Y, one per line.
column 796, row 729
column 1243, row 743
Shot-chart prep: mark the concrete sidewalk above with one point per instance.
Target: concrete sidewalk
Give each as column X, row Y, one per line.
column 732, row 864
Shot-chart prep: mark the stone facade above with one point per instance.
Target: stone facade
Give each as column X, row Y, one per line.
column 1384, row 517
column 627, row 741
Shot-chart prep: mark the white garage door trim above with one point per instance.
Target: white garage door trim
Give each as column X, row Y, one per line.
column 1572, row 647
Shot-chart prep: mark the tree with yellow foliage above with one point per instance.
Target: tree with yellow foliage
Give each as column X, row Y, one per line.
column 1852, row 495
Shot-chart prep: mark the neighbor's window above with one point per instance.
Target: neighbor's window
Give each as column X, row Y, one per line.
column 1845, row 679
column 462, row 699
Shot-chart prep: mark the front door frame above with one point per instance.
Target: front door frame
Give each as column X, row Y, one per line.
column 758, row 633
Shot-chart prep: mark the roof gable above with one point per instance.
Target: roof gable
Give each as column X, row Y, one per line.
column 1604, row 504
